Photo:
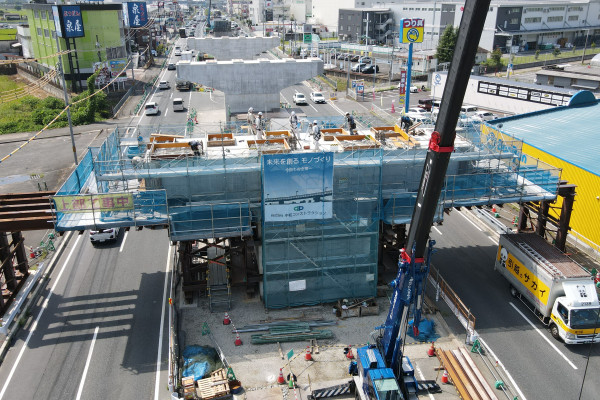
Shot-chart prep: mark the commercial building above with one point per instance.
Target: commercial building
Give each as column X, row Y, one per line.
column 360, row 24
column 103, row 40
column 565, row 137
column 575, row 77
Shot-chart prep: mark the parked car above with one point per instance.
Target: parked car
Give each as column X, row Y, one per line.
column 369, row 69
column 414, row 89
column 299, row 98
column 484, row 116
column 317, row 97
column 354, row 58
column 151, row 108
column 104, row 235
column 358, row 67
column 164, row 85
column 170, row 66
column 366, row 60
column 469, row 111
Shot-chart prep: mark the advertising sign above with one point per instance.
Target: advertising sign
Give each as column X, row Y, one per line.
column 402, row 84
column 297, row 186
column 72, row 23
column 360, row 89
column 411, row 30
column 136, row 14
column 94, row 202
column 524, row 275
column 116, row 68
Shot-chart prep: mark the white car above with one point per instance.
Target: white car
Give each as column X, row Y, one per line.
column 484, row 116
column 164, row 85
column 414, row 89
column 317, row 97
column 104, row 235
column 299, row 98
column 151, row 108
column 177, row 51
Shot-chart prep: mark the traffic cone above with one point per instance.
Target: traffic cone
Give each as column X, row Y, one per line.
column 226, row 320
column 598, row 277
column 494, row 209
column 281, row 379
column 349, row 354
column 393, row 109
column 431, row 351
column 238, row 341
column 31, row 253
column 445, row 377
column 308, row 356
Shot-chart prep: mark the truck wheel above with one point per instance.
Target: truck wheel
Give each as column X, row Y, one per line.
column 513, row 291
column 554, row 331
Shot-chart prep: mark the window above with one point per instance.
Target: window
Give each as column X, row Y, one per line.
column 564, row 313
column 53, row 34
column 558, row 18
column 39, row 31
column 349, row 18
column 513, row 21
column 573, row 17
column 115, row 52
column 534, row 9
column 575, row 8
column 556, row 9
column 46, row 33
column 49, row 16
column 533, row 20
column 36, row 14
column 491, row 9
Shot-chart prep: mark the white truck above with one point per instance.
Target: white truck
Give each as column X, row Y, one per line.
column 557, row 289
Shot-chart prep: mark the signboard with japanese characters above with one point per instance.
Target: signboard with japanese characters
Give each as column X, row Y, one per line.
column 94, row 202
column 297, row 186
column 68, row 21
column 538, row 288
column 135, row 14
column 402, row 83
column 411, row 30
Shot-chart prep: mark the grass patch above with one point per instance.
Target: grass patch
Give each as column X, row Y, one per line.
column 8, row 37
column 548, row 56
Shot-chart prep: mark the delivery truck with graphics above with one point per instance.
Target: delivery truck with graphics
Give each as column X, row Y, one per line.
column 559, row 291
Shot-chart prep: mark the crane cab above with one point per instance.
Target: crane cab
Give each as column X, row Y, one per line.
column 375, row 381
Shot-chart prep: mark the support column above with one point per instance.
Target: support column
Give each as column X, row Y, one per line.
column 542, row 218
column 568, row 194
column 7, row 264
column 22, row 262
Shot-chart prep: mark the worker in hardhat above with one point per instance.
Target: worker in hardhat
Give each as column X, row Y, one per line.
column 316, row 133
column 250, row 119
column 259, row 125
column 293, row 128
column 350, row 123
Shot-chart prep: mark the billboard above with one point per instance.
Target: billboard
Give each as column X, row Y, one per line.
column 68, row 22
column 135, row 14
column 94, row 202
column 297, row 186
column 411, row 30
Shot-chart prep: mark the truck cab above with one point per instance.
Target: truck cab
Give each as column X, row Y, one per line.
column 575, row 316
column 375, row 380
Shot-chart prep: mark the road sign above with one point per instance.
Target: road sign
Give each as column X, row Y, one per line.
column 360, row 89
column 411, row 30
column 353, row 84
column 437, row 79
column 307, row 38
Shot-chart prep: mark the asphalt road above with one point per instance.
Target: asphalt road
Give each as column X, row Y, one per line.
column 96, row 331
column 542, row 367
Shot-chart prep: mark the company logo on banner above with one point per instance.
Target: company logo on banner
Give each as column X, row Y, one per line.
column 411, row 30
column 136, row 14
column 68, row 21
column 297, row 186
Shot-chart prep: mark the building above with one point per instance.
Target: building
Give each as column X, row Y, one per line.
column 356, row 24
column 24, row 38
column 301, row 10
column 563, row 137
column 575, row 77
column 103, row 40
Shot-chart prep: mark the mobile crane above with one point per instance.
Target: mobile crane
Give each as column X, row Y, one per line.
column 383, row 372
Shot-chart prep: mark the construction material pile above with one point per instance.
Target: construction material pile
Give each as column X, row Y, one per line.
column 288, row 331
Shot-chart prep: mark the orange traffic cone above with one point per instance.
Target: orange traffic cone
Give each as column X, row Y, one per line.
column 431, row 350
column 349, row 354
column 494, row 209
column 31, row 253
column 281, row 379
column 308, row 356
column 445, row 377
column 226, row 320
column 393, row 109
column 238, row 341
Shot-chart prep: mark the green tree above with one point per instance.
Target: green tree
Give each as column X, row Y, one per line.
column 445, row 48
column 537, row 54
column 495, row 60
column 556, row 52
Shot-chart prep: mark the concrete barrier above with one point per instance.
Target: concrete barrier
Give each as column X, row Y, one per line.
column 229, row 48
column 250, row 83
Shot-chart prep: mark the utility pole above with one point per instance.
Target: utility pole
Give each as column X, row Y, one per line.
column 585, row 45
column 64, row 85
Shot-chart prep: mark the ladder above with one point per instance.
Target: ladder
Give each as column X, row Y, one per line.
column 218, row 285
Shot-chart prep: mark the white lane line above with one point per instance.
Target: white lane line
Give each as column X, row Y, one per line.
column 514, row 384
column 471, row 222
column 311, row 106
column 162, row 324
column 423, row 378
column 437, row 230
column 44, row 305
column 123, row 243
column 87, row 364
column 171, row 96
column 166, row 112
column 495, row 241
column 542, row 335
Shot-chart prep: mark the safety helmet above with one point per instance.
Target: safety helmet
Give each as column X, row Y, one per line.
column 347, row 113
column 293, row 112
column 250, row 109
column 260, row 113
column 315, row 122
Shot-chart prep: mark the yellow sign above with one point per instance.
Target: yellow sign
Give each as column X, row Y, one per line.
column 94, row 202
column 524, row 275
column 411, row 30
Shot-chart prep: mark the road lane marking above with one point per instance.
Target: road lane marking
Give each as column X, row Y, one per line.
column 123, row 242
column 471, row 222
column 43, row 308
column 423, row 378
column 87, row 364
column 162, row 324
column 514, row 384
column 437, row 230
column 166, row 112
column 542, row 335
column 495, row 241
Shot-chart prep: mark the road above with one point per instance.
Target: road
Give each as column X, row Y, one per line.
column 542, row 367
column 96, row 331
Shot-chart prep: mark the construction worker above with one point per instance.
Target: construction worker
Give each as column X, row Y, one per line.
column 406, row 122
column 259, row 125
column 251, row 120
column 350, row 123
column 316, row 132
column 196, row 146
column 293, row 127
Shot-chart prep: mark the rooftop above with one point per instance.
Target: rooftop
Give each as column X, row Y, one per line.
column 568, row 133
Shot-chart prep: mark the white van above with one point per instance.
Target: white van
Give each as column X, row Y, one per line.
column 469, row 111
column 178, row 104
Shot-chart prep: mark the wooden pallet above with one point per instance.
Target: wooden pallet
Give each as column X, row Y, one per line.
column 214, row 387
